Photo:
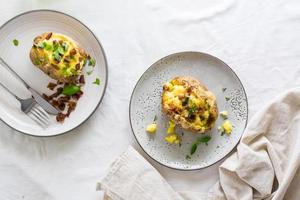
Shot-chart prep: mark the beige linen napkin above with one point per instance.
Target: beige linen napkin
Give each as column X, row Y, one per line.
column 265, row 165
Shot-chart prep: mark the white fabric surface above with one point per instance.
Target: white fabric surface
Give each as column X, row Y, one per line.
column 258, row 39
column 263, row 167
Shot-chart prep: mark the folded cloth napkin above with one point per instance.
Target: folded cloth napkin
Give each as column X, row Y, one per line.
column 264, row 166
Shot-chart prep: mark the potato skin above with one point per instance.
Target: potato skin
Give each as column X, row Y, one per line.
column 199, row 89
column 47, row 67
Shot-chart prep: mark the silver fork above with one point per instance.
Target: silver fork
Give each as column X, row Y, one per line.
column 39, row 99
column 32, row 109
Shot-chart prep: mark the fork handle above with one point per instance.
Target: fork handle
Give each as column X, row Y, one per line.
column 3, row 63
column 8, row 90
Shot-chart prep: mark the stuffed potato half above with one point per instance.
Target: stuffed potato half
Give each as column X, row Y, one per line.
column 59, row 56
column 188, row 103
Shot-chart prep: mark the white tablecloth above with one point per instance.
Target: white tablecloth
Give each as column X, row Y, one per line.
column 260, row 40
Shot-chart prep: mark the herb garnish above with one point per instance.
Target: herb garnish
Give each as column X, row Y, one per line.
column 155, row 118
column 188, row 157
column 36, row 61
column 16, row 42
column 227, row 98
column 89, row 72
column 97, row 81
column 69, row 90
column 60, row 50
column 204, row 139
column 92, row 62
column 185, row 101
column 56, row 56
column 47, row 46
column 191, row 112
column 65, row 46
column 224, row 89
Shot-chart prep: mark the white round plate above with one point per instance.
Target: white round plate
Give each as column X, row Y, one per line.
column 25, row 27
column 145, row 104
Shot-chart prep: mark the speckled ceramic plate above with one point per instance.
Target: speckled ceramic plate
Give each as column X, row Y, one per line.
column 25, row 27
column 146, row 103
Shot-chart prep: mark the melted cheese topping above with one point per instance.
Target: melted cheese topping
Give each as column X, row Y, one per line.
column 53, row 49
column 189, row 107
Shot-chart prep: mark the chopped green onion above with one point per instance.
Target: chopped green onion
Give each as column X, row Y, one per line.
column 89, row 72
column 155, row 118
column 56, row 56
column 97, row 81
column 16, row 42
column 36, row 61
column 92, row 62
column 60, row 50
column 185, row 101
column 65, row 46
column 188, row 157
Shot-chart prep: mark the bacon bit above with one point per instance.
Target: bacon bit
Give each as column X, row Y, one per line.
column 49, row 36
column 71, row 108
column 81, row 79
column 61, row 106
column 46, row 97
column 59, row 82
column 59, row 90
column 37, row 39
column 72, row 105
column 88, row 57
column 189, row 90
column 73, row 52
column 77, row 95
column 51, row 86
column 55, row 66
column 80, row 59
column 54, row 103
column 77, row 66
column 61, row 117
column 57, row 93
column 61, row 42
column 66, row 60
column 64, row 99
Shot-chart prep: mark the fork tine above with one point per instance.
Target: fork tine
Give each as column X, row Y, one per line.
column 37, row 114
column 34, row 118
column 40, row 111
column 38, row 117
column 43, row 112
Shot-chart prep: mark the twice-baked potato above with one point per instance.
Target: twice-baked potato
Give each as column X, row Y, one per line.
column 59, row 56
column 188, row 103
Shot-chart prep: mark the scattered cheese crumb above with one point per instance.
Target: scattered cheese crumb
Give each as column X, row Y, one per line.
column 151, row 128
column 227, row 126
column 224, row 114
column 172, row 139
column 171, row 129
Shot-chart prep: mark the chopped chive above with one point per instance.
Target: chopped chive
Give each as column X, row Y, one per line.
column 92, row 62
column 60, row 50
column 97, row 81
column 89, row 72
column 227, row 98
column 224, row 89
column 16, row 42
column 155, row 118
